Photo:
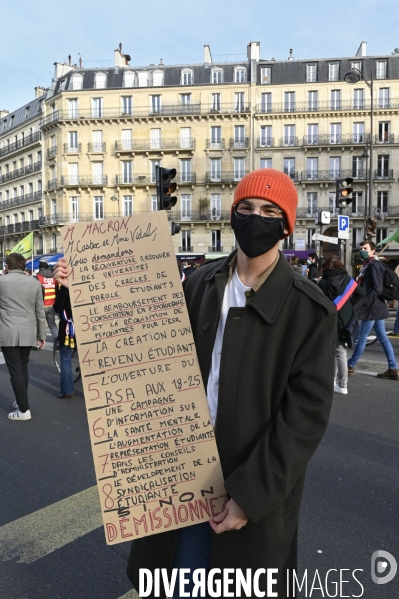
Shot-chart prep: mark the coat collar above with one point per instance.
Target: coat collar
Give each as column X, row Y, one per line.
column 269, row 298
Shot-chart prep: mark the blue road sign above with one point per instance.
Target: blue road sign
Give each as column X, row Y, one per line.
column 343, row 223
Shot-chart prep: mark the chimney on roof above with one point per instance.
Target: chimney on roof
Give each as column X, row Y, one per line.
column 160, row 61
column 207, row 55
column 253, row 51
column 121, row 60
column 4, row 113
column 291, row 56
column 362, row 51
column 61, row 69
column 40, row 91
column 69, row 60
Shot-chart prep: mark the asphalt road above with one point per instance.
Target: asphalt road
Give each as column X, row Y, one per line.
column 51, row 541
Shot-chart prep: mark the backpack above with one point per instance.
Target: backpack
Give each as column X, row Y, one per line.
column 390, row 285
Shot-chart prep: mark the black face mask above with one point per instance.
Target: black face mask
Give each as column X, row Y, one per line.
column 256, row 235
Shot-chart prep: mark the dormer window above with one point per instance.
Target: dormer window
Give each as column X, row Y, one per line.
column 10, row 122
column 143, row 78
column 216, row 76
column 100, row 80
column 27, row 110
column 239, row 75
column 187, row 77
column 157, row 78
column 62, row 84
column 76, row 82
column 128, row 79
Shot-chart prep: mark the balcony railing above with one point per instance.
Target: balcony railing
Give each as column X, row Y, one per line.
column 22, row 199
column 212, row 144
column 184, row 248
column 265, row 142
column 239, row 142
column 315, row 106
column 72, row 149
column 96, row 147
column 336, row 139
column 31, row 225
column 386, row 173
column 128, row 145
column 52, row 184
column 332, row 175
column 51, row 152
column 289, row 141
column 223, row 108
column 84, row 181
column 65, row 218
column 292, row 174
column 21, row 172
column 225, row 176
column 198, row 215
column 22, row 143
column 385, row 138
column 215, row 248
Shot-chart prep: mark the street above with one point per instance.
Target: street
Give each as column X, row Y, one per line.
column 52, row 543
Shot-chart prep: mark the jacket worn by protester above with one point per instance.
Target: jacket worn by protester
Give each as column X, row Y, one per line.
column 275, row 394
column 22, row 318
column 372, row 306
column 63, row 302
column 333, row 283
column 313, row 271
column 45, row 278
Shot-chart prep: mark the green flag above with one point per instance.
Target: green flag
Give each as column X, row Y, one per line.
column 25, row 246
column 392, row 238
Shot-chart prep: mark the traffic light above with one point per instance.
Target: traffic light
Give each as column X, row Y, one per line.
column 344, row 192
column 174, row 228
column 165, row 187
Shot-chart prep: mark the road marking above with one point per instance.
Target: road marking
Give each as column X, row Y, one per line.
column 42, row 532
column 368, row 372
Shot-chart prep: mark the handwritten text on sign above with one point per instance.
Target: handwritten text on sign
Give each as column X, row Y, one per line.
column 154, row 450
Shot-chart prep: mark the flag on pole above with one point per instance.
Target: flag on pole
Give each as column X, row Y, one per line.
column 25, row 246
column 393, row 238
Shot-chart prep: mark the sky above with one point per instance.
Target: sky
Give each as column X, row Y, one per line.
column 35, row 35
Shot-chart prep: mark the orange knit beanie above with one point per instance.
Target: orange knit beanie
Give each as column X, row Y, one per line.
column 270, row 184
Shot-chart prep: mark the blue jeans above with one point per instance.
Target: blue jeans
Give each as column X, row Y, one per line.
column 364, row 330
column 396, row 325
column 66, row 369
column 193, row 550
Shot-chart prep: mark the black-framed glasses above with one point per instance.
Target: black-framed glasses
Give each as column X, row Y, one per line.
column 245, row 208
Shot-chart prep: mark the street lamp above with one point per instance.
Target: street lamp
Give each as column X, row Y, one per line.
column 366, row 156
column 354, row 76
column 115, row 199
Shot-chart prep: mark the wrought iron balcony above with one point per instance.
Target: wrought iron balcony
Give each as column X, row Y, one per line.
column 129, row 145
column 332, row 175
column 385, row 138
column 198, row 215
column 96, row 147
column 52, row 184
column 51, row 152
column 186, row 178
column 223, row 108
column 289, row 141
column 72, row 149
column 292, row 174
column 21, row 172
column 215, row 248
column 212, row 144
column 265, row 142
column 239, row 142
column 336, row 139
column 314, row 106
column 21, row 143
column 386, row 173
column 188, row 248
column 225, row 176
column 66, row 218
column 22, row 199
column 84, row 181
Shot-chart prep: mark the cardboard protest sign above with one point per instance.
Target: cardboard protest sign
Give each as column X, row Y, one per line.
column 155, row 454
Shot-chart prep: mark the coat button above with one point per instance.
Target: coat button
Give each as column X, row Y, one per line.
column 205, row 326
column 299, row 283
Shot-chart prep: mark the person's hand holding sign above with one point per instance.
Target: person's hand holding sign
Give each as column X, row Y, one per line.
column 60, row 272
column 232, row 518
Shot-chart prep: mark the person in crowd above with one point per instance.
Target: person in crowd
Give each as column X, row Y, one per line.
column 313, row 268
column 295, row 264
column 45, row 278
column 258, row 328
column 22, row 325
column 66, row 342
column 189, row 267
column 395, row 332
column 181, row 270
column 372, row 310
column 334, row 282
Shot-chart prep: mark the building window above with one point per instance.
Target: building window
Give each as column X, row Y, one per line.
column 357, row 203
column 185, row 99
column 289, row 167
column 358, row 98
column 154, row 203
column 265, row 140
column 335, row 103
column 129, row 79
column 357, row 168
column 185, row 137
column 127, row 143
column 381, row 69
column 97, row 144
column 357, row 237
column 358, row 133
column 216, row 76
column 73, row 173
column 239, row 102
column 96, row 108
column 127, row 206
column 98, row 207
column 185, row 173
column 312, row 168
column 384, row 97
column 215, row 102
column 216, row 137
column 333, row 71
column 313, row 134
column 382, row 201
column 76, row 82
column 157, row 78
column 383, row 132
column 383, row 167
column 311, row 243
column 288, row 242
column 126, row 105
column 216, row 205
column 357, row 65
column 154, row 164
column 98, row 173
column 239, row 136
column 239, row 168
column 311, row 73
column 216, row 241
column 127, row 171
column 335, row 133
column 239, row 75
column 380, row 234
column 155, row 139
column 72, row 141
column 289, row 135
column 265, row 163
column 155, row 104
column 75, row 209
column 143, row 78
column 313, row 100
column 53, row 207
column 289, row 101
column 266, row 102
column 27, row 109
column 185, row 206
column 73, row 112
column 335, row 167
column 100, row 80
column 216, row 169
column 265, row 76
column 186, row 241
column 187, row 77
column 311, row 199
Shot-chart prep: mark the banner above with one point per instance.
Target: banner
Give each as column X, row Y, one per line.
column 24, row 247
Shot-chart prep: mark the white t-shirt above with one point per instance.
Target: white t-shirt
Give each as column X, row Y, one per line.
column 234, row 297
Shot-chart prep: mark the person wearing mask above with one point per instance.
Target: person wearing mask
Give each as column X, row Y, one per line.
column 372, row 310
column 334, row 283
column 45, row 278
column 313, row 269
